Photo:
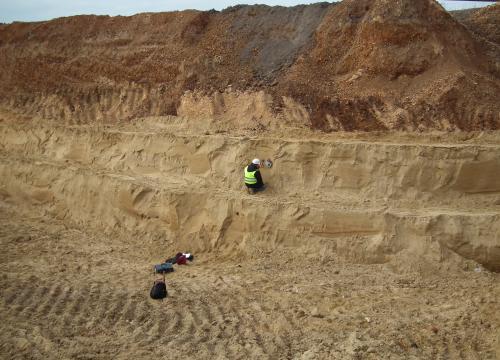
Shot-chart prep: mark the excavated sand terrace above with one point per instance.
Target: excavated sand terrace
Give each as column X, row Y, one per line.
column 365, row 246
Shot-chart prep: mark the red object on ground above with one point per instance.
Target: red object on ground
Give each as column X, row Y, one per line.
column 181, row 260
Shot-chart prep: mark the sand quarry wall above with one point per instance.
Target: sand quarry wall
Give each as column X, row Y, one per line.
column 359, row 65
column 408, row 204
column 210, row 81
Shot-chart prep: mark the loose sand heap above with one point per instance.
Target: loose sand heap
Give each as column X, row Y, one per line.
column 123, row 141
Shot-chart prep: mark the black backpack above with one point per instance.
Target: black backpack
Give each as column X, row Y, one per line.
column 159, row 290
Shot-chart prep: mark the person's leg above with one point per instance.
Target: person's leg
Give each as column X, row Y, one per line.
column 253, row 190
column 262, row 188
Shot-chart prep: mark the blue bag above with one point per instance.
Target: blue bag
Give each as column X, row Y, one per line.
column 163, row 268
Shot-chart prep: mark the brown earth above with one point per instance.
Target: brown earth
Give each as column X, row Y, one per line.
column 122, row 141
column 360, row 65
column 483, row 21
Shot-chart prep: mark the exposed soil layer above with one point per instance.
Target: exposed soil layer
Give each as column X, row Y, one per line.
column 359, row 65
column 483, row 21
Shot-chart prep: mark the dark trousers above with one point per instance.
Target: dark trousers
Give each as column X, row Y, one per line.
column 254, row 190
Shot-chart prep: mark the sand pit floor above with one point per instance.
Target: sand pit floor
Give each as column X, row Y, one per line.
column 67, row 293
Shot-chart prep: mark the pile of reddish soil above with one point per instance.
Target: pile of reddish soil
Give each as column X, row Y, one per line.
column 483, row 21
column 359, row 65
column 397, row 64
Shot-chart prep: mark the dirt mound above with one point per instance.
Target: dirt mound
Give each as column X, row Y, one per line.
column 147, row 62
column 395, row 64
column 390, row 38
column 484, row 21
column 359, row 65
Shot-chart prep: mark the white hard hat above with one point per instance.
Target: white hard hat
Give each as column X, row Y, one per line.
column 256, row 161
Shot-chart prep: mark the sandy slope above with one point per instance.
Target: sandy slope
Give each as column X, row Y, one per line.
column 67, row 293
column 369, row 251
column 371, row 200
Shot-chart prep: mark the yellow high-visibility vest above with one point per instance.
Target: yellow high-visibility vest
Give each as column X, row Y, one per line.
column 250, row 177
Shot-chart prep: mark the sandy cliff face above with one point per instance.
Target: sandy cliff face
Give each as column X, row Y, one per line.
column 359, row 65
column 372, row 201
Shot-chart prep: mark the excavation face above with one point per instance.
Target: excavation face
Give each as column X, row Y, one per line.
column 123, row 141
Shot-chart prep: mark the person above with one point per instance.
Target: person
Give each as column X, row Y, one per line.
column 253, row 178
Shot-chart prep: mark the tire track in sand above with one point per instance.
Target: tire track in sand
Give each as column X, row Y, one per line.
column 211, row 315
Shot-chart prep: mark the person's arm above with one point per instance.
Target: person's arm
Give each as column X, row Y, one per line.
column 259, row 178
